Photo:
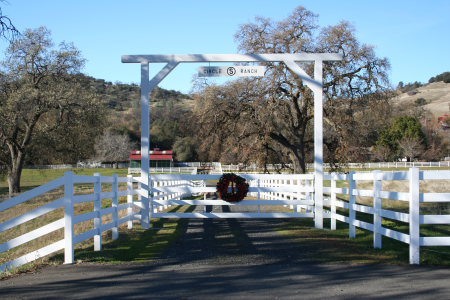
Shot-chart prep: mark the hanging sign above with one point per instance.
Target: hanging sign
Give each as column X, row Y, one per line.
column 232, row 71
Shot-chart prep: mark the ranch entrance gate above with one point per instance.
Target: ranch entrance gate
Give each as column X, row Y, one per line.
column 315, row 83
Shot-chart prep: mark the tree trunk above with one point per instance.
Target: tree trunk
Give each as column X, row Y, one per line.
column 14, row 174
column 298, row 162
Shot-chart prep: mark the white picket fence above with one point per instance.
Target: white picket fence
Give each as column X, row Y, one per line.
column 170, row 170
column 394, row 164
column 364, row 165
column 128, row 204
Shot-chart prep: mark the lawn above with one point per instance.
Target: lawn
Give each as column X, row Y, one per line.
column 32, row 178
column 334, row 246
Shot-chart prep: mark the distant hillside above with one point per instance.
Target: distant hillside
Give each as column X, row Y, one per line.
column 434, row 97
column 122, row 96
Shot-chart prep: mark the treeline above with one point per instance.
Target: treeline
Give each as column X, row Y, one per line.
column 408, row 87
column 445, row 77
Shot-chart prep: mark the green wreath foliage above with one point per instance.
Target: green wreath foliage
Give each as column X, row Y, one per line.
column 239, row 187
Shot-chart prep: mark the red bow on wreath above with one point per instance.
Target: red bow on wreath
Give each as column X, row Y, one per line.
column 238, row 191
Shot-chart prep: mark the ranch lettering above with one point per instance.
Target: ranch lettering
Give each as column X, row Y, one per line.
column 249, row 71
column 231, row 71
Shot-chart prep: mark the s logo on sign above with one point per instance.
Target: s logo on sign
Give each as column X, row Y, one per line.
column 231, row 71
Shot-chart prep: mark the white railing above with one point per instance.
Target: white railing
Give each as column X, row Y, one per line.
column 196, row 164
column 69, row 220
column 169, row 170
column 119, row 188
column 128, row 202
column 186, row 166
column 365, row 165
column 393, row 165
column 268, row 189
column 81, row 165
column 411, row 200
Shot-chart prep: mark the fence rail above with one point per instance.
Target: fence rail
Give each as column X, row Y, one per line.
column 169, row 170
column 413, row 217
column 185, row 166
column 364, row 165
column 130, row 202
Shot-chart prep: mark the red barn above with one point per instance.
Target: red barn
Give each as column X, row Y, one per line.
column 158, row 158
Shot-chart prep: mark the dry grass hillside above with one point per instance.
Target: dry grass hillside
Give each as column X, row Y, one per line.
column 183, row 104
column 436, row 94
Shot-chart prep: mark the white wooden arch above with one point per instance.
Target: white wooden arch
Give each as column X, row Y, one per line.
column 315, row 83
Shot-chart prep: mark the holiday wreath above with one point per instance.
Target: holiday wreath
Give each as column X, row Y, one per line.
column 239, row 187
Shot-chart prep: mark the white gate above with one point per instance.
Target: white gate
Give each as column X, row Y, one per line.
column 266, row 191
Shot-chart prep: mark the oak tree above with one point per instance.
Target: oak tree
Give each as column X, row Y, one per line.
column 38, row 94
column 113, row 147
column 277, row 109
column 7, row 29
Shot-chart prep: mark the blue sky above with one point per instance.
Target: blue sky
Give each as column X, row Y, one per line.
column 412, row 34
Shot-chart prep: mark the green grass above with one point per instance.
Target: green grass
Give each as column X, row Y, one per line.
column 334, row 246
column 32, row 178
column 133, row 245
column 137, row 244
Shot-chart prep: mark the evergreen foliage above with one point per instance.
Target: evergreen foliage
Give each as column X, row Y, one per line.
column 401, row 128
column 445, row 77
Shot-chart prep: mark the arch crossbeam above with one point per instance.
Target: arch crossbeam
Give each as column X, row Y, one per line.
column 198, row 58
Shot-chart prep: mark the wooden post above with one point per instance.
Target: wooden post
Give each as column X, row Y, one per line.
column 130, row 200
column 318, row 144
column 333, row 202
column 98, row 216
column 145, row 145
column 115, row 204
column 377, row 205
column 258, row 183
column 351, row 202
column 414, row 216
column 68, row 218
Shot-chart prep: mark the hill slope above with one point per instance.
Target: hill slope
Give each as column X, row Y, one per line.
column 436, row 95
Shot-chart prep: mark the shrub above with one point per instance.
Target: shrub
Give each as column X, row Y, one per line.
column 420, row 101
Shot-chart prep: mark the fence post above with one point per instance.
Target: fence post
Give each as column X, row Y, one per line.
column 97, row 209
column 130, row 201
column 309, row 195
column 258, row 184
column 333, row 202
column 115, row 204
column 377, row 187
column 351, row 202
column 296, row 195
column 146, row 190
column 68, row 218
column 414, row 216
